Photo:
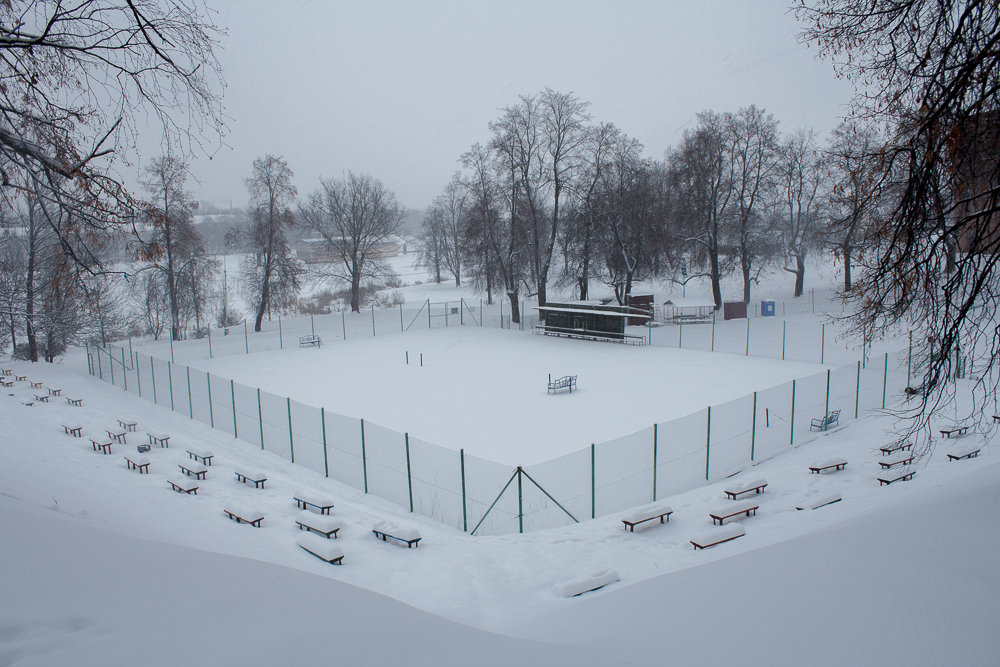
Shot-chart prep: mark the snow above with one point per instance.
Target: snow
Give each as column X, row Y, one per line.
column 405, row 533
column 318, row 521
column 822, row 501
column 320, row 547
column 655, row 509
column 743, row 486
column 724, row 534
column 581, row 585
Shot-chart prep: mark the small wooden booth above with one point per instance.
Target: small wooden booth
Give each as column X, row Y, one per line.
column 591, row 320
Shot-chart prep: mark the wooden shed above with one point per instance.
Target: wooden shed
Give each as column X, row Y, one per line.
column 590, row 320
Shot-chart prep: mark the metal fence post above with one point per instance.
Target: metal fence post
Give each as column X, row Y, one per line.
column 209, row 342
column 364, row 458
column 885, row 378
column 655, row 439
column 708, row 440
column 909, row 359
column 190, row 401
column 260, row 420
column 124, row 371
column 343, row 323
column 753, row 427
column 465, row 516
column 170, row 383
column 827, row 409
column 680, row 334
column 138, row 374
column 428, row 313
column 312, row 323
column 593, row 482
column 111, row 363
column 246, row 337
column 232, row 395
column 520, row 503
column 791, row 429
column 326, row 461
column 291, row 442
column 713, row 332
column 409, row 474
column 211, row 411
column 822, row 344
column 373, row 320
column 857, row 391
column 748, row 337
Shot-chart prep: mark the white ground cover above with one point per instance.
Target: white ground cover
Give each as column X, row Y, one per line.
column 101, row 565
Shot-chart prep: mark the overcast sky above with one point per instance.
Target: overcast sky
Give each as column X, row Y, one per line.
column 401, row 89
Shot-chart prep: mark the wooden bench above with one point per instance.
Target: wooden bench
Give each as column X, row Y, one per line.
column 200, row 455
column 565, row 382
column 195, row 470
column 819, row 502
column 244, row 515
column 37, row 385
column 54, row 392
column 140, row 463
column 325, row 550
column 7, row 371
column 183, row 486
column 896, row 475
column 75, row 431
column 257, row 478
column 103, row 447
column 311, row 339
column 20, row 378
column 659, row 511
column 896, row 447
column 7, row 383
column 127, row 424
column 161, row 439
column 903, row 460
column 42, row 398
column 319, row 524
column 305, row 501
column 386, row 530
column 824, row 423
column 718, row 536
column 954, row 430
column 996, row 418
column 831, row 464
column 757, row 486
column 747, row 507
column 115, row 434
column 75, row 402
column 581, row 585
column 970, row 452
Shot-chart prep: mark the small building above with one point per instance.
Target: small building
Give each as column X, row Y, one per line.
column 591, row 320
column 688, row 311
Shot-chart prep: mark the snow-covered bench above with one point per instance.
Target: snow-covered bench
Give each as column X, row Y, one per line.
column 252, row 516
column 184, row 486
column 834, row 464
column 386, row 530
column 896, row 447
column 257, row 478
column 307, row 500
column 318, row 523
column 819, row 502
column 127, row 424
column 75, row 402
column 565, row 382
column 161, row 439
column 42, row 398
column 53, row 391
column 37, row 385
column 140, row 463
column 747, row 507
column 581, row 585
column 757, row 486
column 969, row 452
column 75, row 431
column 200, row 455
column 325, row 550
column 312, row 339
column 196, row 470
column 659, row 511
column 954, row 430
column 102, row 447
column 896, row 475
column 718, row 536
column 116, row 434
column 904, row 460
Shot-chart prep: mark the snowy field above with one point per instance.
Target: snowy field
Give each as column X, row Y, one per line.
column 485, row 390
column 104, row 566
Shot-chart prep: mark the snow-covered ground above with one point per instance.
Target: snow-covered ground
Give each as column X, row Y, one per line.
column 102, row 565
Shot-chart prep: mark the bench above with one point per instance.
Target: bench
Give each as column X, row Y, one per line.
column 140, row 463
column 832, row 464
column 116, row 435
column 896, row 447
column 75, row 431
column 103, row 447
column 954, row 430
column 244, row 515
column 819, row 502
column 658, row 511
column 896, row 475
column 718, row 536
column 824, row 423
column 325, row 550
column 7, row 371
column 756, row 486
column 747, row 507
column 305, row 500
column 75, row 402
column 37, row 385
column 20, row 378
column 565, row 382
column 7, row 383
column 195, row 470
column 161, row 439
column 54, row 392
column 319, row 524
column 257, row 478
column 581, row 585
column 200, row 455
column 310, row 340
column 183, row 486
column 127, row 424
column 903, row 460
column 996, row 418
column 42, row 398
column 386, row 530
column 970, row 452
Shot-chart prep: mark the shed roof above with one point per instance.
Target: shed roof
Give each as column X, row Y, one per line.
column 612, row 313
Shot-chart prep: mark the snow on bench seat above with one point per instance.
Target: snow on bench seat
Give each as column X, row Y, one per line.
column 241, row 514
column 161, row 439
column 200, row 455
column 257, row 478
column 581, row 585
column 822, row 501
column 835, row 464
column 408, row 535
column 140, row 463
column 968, row 452
column 322, row 504
column 318, row 523
column 903, row 474
column 660, row 511
column 718, row 536
column 325, row 550
column 183, row 485
column 740, row 488
column 746, row 507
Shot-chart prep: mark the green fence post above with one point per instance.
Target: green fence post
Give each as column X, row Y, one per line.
column 827, row 409
column 791, row 428
column 713, row 332
column 446, row 314
column 708, row 440
column 190, row 402
column 138, row 374
column 111, row 363
column 232, row 395
column 281, row 337
column 409, row 474
column 291, row 442
column 171, row 344
column 260, row 420
column 209, row 342
column 211, row 411
column 343, row 323
column 373, row 320
column 909, row 359
column 480, row 312
column 753, row 427
column 885, row 378
column 90, row 365
column 465, row 516
column 124, row 371
column 322, row 423
column 520, row 503
column 170, row 383
column 428, row 313
column 680, row 335
column 401, row 318
column 748, row 337
column 100, row 371
column 246, row 337
column 312, row 324
column 857, row 392
column 130, row 353
column 783, row 324
column 364, row 457
column 593, row 482
column 655, row 439
column 822, row 344
column 152, row 372
column 461, row 311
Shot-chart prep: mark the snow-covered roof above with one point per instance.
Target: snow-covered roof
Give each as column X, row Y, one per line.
column 612, row 313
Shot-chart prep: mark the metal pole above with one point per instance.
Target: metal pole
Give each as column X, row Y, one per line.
column 209, row 342
column 291, row 442
column 138, row 374
column 791, row 428
column 260, row 420
column 343, row 323
column 312, row 323
column 130, row 353
column 322, row 424
column 857, row 392
column 480, row 312
column 409, row 474
column 124, row 370
column 281, row 337
column 373, row 320
column 783, row 324
column 753, row 427
column 461, row 311
column 593, row 482
column 713, row 332
column 465, row 516
column 170, row 383
column 885, row 378
column 428, row 313
column 520, row 503
column 909, row 359
column 211, row 412
column 246, row 337
column 232, row 395
column 680, row 334
column 111, row 364
column 655, row 439
column 748, row 338
column 364, row 457
column 152, row 372
column 708, row 440
column 822, row 344
column 190, row 402
column 827, row 409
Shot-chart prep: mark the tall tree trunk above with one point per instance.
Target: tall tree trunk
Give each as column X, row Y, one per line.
column 745, row 265
column 265, row 297
column 29, row 296
column 846, row 252
column 356, row 290
column 515, row 307
column 713, row 256
column 800, row 273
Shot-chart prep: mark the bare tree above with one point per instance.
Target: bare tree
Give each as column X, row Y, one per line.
column 355, row 216
column 431, row 256
column 452, row 204
column 799, row 176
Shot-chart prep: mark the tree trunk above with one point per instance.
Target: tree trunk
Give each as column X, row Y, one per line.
column 847, row 268
column 13, row 330
column 29, row 303
column 745, row 265
column 713, row 255
column 356, row 291
column 265, row 295
column 800, row 274
column 515, row 308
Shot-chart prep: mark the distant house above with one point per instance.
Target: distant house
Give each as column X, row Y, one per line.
column 591, row 320
column 687, row 310
column 322, row 251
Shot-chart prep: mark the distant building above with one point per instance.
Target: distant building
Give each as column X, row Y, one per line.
column 321, row 251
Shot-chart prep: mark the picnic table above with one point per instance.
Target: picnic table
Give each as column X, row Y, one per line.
column 659, row 511
column 954, row 430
